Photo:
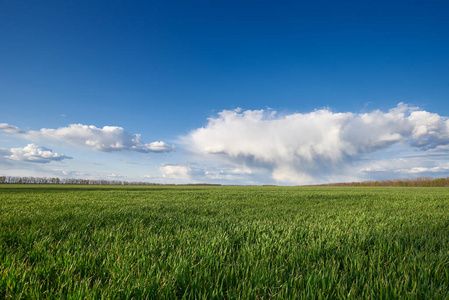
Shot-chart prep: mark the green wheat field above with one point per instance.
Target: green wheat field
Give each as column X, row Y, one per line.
column 209, row 242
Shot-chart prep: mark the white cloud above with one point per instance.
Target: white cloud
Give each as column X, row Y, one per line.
column 313, row 147
column 159, row 147
column 194, row 172
column 430, row 130
column 407, row 166
column 417, row 170
column 241, row 171
column 106, row 139
column 36, row 154
column 176, row 172
column 223, row 174
column 112, row 175
column 9, row 128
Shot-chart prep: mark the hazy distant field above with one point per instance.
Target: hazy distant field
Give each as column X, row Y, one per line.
column 223, row 242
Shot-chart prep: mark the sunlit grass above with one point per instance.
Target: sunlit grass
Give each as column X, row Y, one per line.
column 223, row 242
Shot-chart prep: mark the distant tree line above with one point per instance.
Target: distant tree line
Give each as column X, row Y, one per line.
column 55, row 180
column 416, row 182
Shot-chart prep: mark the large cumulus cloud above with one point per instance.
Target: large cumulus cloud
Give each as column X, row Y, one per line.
column 300, row 148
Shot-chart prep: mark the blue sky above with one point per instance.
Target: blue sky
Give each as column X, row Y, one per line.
column 194, row 77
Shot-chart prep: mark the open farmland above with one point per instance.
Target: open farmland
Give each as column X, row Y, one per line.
column 223, row 242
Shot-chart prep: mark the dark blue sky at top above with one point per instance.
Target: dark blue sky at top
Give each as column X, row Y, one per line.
column 160, row 68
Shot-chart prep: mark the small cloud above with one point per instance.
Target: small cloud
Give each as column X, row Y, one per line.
column 420, row 170
column 241, row 171
column 194, row 172
column 114, row 176
column 9, row 128
column 415, row 170
column 36, row 154
column 159, row 147
column 176, row 172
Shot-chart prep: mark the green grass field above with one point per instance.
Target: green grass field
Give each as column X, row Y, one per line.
column 111, row 242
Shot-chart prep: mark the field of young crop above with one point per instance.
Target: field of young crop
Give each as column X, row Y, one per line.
column 170, row 242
